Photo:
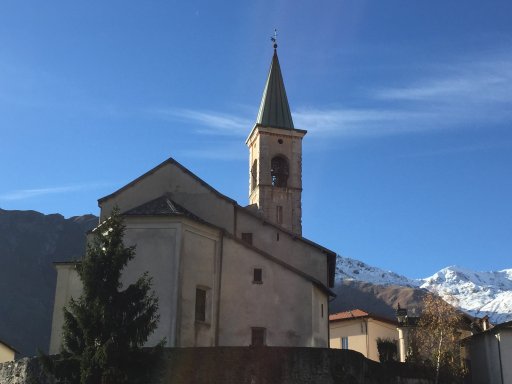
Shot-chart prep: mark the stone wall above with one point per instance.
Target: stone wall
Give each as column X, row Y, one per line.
column 23, row 371
column 277, row 365
column 245, row 365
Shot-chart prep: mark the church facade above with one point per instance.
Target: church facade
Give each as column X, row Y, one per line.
column 224, row 274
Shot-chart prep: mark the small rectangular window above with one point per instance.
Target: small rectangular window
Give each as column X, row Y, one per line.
column 344, row 343
column 257, row 276
column 200, row 304
column 258, row 336
column 322, row 310
column 279, row 214
column 247, row 237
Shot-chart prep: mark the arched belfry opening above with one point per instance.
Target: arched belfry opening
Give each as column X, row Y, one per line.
column 254, row 174
column 279, row 171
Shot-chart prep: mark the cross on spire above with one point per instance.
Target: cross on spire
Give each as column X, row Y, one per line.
column 274, row 38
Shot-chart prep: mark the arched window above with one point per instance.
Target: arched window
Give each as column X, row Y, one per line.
column 279, row 171
column 254, row 174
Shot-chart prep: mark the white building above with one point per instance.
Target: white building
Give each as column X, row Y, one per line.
column 224, row 274
column 490, row 355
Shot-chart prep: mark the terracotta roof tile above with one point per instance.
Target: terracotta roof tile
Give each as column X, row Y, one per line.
column 353, row 314
column 359, row 314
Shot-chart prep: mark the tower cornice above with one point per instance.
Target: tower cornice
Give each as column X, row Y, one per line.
column 265, row 130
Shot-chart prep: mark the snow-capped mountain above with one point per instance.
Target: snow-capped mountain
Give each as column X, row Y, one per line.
column 347, row 268
column 477, row 293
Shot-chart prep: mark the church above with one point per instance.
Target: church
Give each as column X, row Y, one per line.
column 225, row 274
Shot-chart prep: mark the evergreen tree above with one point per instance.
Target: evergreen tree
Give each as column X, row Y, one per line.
column 105, row 328
column 387, row 349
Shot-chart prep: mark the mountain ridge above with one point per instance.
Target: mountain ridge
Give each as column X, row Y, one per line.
column 476, row 293
column 29, row 244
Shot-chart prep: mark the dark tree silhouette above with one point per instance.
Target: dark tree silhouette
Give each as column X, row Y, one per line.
column 105, row 328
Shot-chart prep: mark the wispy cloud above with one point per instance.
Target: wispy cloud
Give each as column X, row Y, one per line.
column 461, row 149
column 207, row 122
column 482, row 84
column 358, row 122
column 477, row 81
column 469, row 93
column 22, row 194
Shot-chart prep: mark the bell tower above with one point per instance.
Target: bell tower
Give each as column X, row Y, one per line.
column 275, row 156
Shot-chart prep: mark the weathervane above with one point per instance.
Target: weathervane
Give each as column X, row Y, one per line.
column 274, row 38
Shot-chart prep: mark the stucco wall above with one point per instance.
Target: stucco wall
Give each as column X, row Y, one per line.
column 68, row 286
column 282, row 304
column 199, row 269
column 320, row 317
column 362, row 335
column 303, row 256
column 158, row 247
column 506, row 354
column 491, row 357
column 355, row 330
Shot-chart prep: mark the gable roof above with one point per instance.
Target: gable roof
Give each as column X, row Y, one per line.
column 170, row 160
column 331, row 256
column 161, row 206
column 358, row 314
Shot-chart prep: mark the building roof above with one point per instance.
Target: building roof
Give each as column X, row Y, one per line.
column 353, row 314
column 161, row 206
column 358, row 314
column 274, row 108
column 331, row 256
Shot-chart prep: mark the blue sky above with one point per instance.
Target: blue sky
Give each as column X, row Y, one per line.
column 408, row 107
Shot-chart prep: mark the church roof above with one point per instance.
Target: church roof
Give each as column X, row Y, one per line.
column 331, row 256
column 274, row 108
column 161, row 206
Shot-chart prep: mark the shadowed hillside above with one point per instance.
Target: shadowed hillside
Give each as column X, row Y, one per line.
column 29, row 243
column 377, row 299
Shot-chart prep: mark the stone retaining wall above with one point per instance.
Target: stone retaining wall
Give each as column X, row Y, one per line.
column 246, row 365
column 22, row 371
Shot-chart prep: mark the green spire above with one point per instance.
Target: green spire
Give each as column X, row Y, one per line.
column 274, row 109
